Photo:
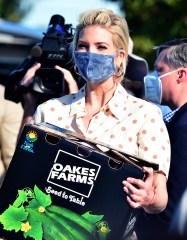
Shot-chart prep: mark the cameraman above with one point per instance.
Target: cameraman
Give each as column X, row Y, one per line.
column 44, row 74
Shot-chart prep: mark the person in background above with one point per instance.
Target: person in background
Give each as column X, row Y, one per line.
column 10, row 120
column 171, row 70
column 103, row 110
column 137, row 69
column 178, row 227
column 166, row 109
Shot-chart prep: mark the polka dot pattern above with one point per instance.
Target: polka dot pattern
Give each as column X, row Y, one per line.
column 144, row 131
column 126, row 123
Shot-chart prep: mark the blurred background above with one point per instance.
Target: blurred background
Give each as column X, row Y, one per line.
column 151, row 22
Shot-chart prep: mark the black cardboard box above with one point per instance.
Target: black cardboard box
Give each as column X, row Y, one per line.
column 60, row 185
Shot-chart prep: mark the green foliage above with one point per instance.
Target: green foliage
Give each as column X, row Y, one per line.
column 41, row 199
column 103, row 229
column 12, row 218
column 152, row 22
column 36, row 231
column 33, row 213
column 14, row 10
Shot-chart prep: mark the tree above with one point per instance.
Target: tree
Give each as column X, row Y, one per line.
column 152, row 22
column 14, row 10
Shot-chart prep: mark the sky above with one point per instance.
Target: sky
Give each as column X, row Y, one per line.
column 43, row 10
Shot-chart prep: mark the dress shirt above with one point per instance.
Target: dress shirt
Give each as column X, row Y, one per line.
column 127, row 123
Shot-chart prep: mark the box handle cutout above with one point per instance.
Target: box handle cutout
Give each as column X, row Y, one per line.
column 52, row 139
column 83, row 152
column 117, row 165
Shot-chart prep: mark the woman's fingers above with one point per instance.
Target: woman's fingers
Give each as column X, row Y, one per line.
column 139, row 190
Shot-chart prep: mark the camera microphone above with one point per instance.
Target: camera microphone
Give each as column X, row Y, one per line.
column 36, row 51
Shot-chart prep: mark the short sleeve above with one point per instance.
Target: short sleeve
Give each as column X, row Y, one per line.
column 154, row 143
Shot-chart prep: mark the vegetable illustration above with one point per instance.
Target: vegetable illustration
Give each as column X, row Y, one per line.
column 33, row 214
column 79, row 227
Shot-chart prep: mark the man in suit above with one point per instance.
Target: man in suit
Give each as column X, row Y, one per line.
column 171, row 71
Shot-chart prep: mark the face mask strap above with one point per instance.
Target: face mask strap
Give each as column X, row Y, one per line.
column 76, row 70
column 168, row 73
column 116, row 54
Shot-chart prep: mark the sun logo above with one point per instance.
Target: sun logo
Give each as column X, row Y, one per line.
column 31, row 136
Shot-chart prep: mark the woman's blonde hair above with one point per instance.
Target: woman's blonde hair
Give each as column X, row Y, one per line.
column 105, row 18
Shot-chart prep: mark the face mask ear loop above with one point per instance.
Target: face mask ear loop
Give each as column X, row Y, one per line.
column 116, row 54
column 168, row 73
column 160, row 100
column 76, row 71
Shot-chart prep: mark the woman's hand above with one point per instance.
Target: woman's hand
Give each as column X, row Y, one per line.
column 73, row 88
column 150, row 194
column 140, row 193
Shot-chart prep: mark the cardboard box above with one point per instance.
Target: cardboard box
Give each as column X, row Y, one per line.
column 55, row 176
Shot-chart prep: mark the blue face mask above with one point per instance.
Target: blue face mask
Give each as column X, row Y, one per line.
column 153, row 87
column 95, row 68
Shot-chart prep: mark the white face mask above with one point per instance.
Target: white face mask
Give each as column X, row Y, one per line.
column 153, row 86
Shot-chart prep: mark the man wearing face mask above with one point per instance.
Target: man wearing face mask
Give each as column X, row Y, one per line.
column 169, row 81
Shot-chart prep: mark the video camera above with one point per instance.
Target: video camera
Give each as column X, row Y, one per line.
column 54, row 49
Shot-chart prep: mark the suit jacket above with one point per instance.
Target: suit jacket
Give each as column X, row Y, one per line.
column 177, row 181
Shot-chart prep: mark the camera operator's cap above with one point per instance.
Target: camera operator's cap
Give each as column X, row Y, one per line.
column 137, row 68
column 170, row 43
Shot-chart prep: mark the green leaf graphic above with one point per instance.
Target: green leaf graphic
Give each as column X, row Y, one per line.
column 13, row 217
column 21, row 199
column 35, row 232
column 41, row 199
column 33, row 214
column 103, row 229
column 92, row 218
